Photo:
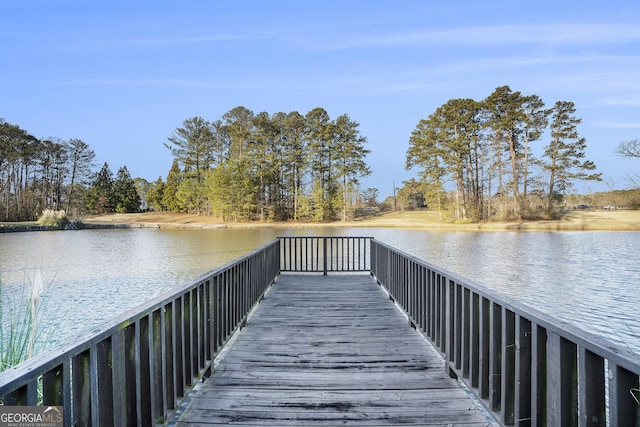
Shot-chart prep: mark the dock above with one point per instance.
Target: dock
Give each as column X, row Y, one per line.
column 330, row 350
column 332, row 331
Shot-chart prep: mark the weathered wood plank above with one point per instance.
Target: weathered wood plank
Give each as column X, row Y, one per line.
column 330, row 351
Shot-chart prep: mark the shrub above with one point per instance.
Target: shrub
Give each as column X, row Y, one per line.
column 53, row 218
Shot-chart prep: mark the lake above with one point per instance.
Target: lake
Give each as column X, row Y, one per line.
column 588, row 278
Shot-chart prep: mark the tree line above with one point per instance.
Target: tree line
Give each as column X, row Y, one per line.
column 38, row 174
column 477, row 162
column 475, row 158
column 281, row 166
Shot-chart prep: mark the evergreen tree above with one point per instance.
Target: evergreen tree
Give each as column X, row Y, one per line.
column 192, row 145
column 169, row 198
column 350, row 156
column 565, row 153
column 238, row 125
column 155, row 195
column 536, row 120
column 191, row 193
column 505, row 118
column 262, row 166
column 266, row 164
column 320, row 146
column 125, row 194
column 100, row 196
column 53, row 168
column 81, row 162
column 17, row 157
column 232, row 192
column 294, row 162
column 447, row 146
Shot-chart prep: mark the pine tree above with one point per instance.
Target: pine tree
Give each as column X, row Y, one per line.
column 447, row 145
column 169, row 199
column 100, row 196
column 565, row 153
column 320, row 146
column 155, row 195
column 350, row 156
column 506, row 117
column 192, row 146
column 80, row 162
column 125, row 194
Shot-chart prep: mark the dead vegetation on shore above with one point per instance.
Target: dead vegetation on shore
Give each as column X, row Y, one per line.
column 622, row 220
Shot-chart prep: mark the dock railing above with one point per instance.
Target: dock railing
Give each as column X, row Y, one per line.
column 527, row 367
column 138, row 368
column 325, row 254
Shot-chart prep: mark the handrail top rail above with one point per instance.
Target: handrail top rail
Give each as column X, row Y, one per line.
column 596, row 344
column 29, row 369
column 326, row 237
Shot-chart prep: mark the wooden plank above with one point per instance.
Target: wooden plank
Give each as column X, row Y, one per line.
column 330, row 350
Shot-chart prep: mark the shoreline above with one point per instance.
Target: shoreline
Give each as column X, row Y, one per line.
column 572, row 221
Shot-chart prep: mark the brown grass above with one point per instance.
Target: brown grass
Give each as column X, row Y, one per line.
column 622, row 220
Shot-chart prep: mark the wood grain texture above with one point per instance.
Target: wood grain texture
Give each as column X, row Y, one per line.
column 330, row 350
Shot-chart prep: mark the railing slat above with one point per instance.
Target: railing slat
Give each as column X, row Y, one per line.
column 523, row 371
column 81, row 389
column 474, row 356
column 102, row 391
column 525, row 366
column 591, row 382
column 623, row 395
column 155, row 362
column 53, row 387
column 169, row 346
column 495, row 357
column 508, row 375
column 539, row 375
column 561, row 357
column 485, row 347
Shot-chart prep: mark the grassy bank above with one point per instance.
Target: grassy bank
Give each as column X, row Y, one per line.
column 578, row 220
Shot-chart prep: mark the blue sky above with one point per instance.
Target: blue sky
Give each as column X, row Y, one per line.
column 122, row 75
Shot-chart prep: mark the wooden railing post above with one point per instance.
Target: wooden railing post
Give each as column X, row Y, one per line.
column 324, row 255
column 526, row 367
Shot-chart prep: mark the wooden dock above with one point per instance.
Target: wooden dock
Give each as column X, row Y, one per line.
column 330, row 350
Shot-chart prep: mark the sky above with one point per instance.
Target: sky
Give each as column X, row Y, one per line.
column 123, row 75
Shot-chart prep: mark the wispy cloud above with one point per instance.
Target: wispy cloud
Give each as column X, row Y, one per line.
column 154, row 82
column 416, row 86
column 630, row 98
column 348, row 39
column 204, row 36
column 621, row 125
column 572, row 34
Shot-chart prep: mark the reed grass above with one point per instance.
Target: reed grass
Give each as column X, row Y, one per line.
column 24, row 330
column 53, row 218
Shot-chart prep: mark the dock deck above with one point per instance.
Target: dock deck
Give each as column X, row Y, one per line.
column 330, row 350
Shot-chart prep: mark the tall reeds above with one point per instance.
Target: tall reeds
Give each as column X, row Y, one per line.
column 53, row 218
column 23, row 329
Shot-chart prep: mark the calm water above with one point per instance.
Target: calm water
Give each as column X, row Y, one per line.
column 588, row 278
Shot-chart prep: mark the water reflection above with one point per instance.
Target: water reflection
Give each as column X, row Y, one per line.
column 588, row 278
